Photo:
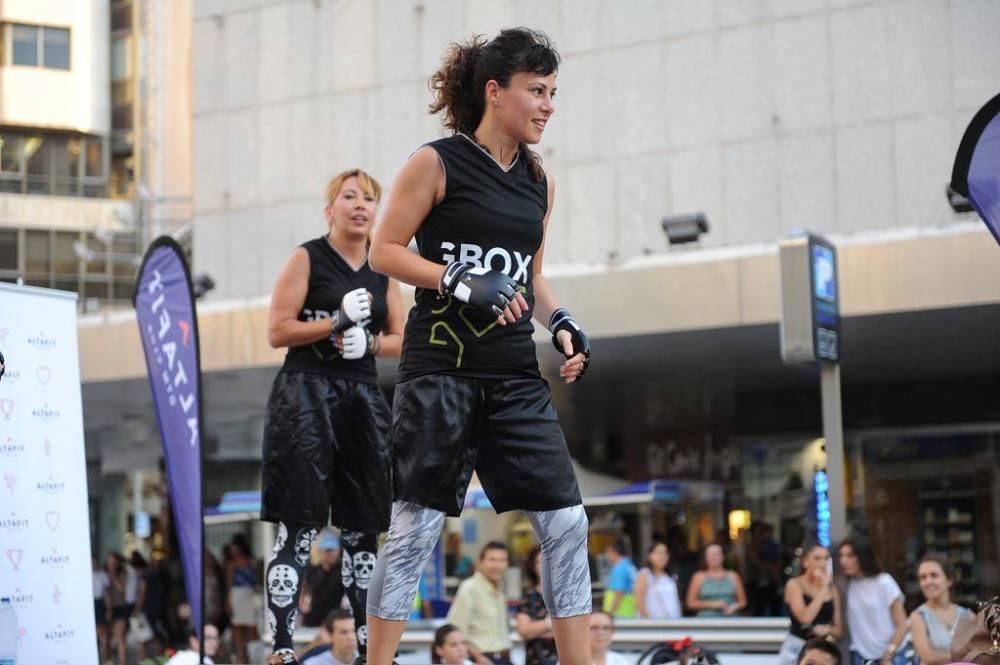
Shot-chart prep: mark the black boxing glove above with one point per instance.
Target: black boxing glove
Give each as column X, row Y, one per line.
column 563, row 320
column 3, row 367
column 487, row 290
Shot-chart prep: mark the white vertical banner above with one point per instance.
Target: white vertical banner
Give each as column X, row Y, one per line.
column 44, row 516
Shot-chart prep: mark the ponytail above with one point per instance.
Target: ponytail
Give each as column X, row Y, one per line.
column 459, row 85
column 454, row 87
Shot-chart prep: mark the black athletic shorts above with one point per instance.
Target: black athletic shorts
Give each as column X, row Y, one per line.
column 444, row 427
column 326, row 453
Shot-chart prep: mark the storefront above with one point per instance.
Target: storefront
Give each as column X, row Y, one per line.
column 913, row 492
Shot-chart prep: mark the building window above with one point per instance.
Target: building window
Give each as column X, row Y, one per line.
column 37, row 46
column 53, row 164
column 8, row 254
column 24, row 45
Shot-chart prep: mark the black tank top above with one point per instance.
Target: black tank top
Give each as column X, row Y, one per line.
column 491, row 218
column 330, row 277
column 823, row 618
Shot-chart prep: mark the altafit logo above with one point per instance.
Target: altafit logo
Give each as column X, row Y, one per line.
column 11, row 375
column 13, row 524
column 7, row 408
column 166, row 340
column 44, row 374
column 10, row 448
column 10, row 479
column 21, row 599
column 59, row 634
column 46, row 414
column 51, row 486
column 56, row 560
column 41, row 342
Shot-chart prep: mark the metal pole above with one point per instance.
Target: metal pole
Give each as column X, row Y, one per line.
column 136, row 501
column 833, row 432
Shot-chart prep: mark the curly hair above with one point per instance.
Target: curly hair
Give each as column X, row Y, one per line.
column 459, row 86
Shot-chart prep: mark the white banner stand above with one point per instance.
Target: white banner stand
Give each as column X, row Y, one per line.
column 44, row 517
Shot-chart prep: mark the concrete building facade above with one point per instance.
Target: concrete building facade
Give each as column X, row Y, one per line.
column 838, row 116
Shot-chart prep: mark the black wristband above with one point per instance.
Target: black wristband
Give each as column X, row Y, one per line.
column 560, row 315
column 452, row 274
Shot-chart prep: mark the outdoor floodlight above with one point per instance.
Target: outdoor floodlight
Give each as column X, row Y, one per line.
column 685, row 228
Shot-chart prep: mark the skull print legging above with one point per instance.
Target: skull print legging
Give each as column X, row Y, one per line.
column 562, row 535
column 286, row 572
column 356, row 566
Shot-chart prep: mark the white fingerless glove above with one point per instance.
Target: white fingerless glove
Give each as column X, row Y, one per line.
column 358, row 341
column 354, row 307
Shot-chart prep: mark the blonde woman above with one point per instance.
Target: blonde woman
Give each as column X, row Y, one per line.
column 326, row 433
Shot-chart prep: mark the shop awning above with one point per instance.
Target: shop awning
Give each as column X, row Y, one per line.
column 234, row 507
column 591, row 483
column 659, row 491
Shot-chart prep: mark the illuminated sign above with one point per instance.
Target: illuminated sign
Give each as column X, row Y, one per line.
column 821, row 489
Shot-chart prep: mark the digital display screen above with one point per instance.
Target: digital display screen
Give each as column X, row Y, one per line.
column 825, row 309
column 824, row 273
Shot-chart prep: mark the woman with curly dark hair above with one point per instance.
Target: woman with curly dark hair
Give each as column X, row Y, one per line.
column 533, row 622
column 470, row 396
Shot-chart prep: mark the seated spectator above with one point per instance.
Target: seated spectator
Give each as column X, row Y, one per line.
column 449, row 646
column 321, row 642
column 343, row 646
column 715, row 591
column 602, row 632
column 190, row 655
column 932, row 625
column 655, row 589
column 819, row 651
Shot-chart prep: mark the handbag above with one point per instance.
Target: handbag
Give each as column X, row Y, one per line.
column 977, row 637
column 139, row 630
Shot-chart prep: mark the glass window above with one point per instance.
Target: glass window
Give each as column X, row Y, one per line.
column 95, row 289
column 95, row 191
column 98, row 263
column 121, row 50
column 55, row 48
column 121, row 16
column 10, row 153
column 64, row 260
column 34, row 154
column 8, row 249
column 64, row 187
column 94, row 163
column 65, row 156
column 10, row 185
column 24, row 45
column 36, row 252
column 123, row 289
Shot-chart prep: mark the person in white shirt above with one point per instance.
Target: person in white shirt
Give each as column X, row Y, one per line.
column 602, row 632
column 343, row 641
column 189, row 656
column 655, row 589
column 875, row 616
